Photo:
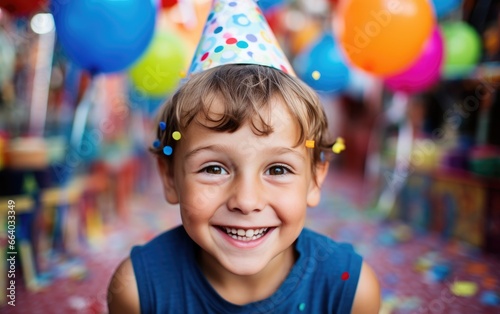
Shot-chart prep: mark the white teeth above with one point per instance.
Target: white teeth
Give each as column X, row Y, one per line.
column 245, row 235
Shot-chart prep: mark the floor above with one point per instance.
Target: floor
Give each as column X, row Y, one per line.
column 419, row 273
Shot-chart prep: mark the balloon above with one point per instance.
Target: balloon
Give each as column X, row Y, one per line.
column 23, row 7
column 424, row 72
column 383, row 37
column 159, row 70
column 444, row 7
column 168, row 3
column 322, row 65
column 7, row 58
column 107, row 35
column 269, row 4
column 274, row 18
column 462, row 48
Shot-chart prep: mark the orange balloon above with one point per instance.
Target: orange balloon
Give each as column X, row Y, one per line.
column 383, row 37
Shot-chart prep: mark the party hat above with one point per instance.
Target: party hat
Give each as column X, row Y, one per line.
column 236, row 32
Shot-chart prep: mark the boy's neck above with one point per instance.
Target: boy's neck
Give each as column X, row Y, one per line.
column 246, row 289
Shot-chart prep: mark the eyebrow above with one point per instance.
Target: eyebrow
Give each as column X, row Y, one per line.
column 278, row 150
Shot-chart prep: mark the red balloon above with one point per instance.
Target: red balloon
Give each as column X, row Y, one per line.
column 23, row 7
column 273, row 17
column 168, row 3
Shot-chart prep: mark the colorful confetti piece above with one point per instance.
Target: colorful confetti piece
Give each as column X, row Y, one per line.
column 163, row 125
column 167, row 150
column 176, row 135
column 490, row 298
column 302, row 307
column 339, row 146
column 464, row 288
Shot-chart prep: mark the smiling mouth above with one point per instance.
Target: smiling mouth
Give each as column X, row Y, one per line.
column 244, row 234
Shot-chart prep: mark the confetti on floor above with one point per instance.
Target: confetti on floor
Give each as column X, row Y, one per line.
column 418, row 273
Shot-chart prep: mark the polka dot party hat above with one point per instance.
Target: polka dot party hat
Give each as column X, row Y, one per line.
column 236, row 32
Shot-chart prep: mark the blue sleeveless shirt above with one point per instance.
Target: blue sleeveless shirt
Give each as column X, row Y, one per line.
column 323, row 279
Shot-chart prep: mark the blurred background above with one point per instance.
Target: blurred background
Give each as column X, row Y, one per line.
column 410, row 85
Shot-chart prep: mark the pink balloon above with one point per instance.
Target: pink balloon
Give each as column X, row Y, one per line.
column 424, row 72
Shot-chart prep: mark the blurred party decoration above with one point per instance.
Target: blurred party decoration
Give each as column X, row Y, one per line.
column 23, row 7
column 275, row 18
column 104, row 36
column 304, row 36
column 383, row 37
column 168, row 3
column 159, row 70
column 445, row 7
column 462, row 48
column 185, row 23
column 7, row 58
column 266, row 5
column 43, row 25
column 322, row 66
column 424, row 72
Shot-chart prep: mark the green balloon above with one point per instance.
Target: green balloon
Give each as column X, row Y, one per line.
column 7, row 58
column 159, row 70
column 463, row 48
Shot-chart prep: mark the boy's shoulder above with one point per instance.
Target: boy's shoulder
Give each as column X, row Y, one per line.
column 166, row 248
column 320, row 245
column 176, row 236
column 328, row 259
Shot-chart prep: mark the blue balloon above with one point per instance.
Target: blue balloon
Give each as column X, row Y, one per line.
column 444, row 7
column 322, row 66
column 266, row 5
column 104, row 36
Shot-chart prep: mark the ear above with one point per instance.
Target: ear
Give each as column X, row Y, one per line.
column 167, row 180
column 314, row 192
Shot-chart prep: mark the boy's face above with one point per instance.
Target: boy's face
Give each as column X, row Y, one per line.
column 243, row 197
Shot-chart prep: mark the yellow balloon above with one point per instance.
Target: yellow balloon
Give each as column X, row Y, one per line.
column 159, row 71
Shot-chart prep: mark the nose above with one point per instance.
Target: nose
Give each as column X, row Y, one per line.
column 247, row 195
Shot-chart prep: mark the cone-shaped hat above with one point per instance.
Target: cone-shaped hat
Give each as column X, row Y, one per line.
column 236, row 32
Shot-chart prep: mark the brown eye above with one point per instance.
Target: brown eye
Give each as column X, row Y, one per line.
column 214, row 170
column 278, row 170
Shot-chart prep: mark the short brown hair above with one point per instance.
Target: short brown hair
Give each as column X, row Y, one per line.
column 246, row 92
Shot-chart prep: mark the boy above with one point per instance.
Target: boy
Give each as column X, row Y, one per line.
column 242, row 148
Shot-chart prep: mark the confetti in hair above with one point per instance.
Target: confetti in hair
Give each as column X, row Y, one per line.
column 310, row 143
column 157, row 144
column 339, row 146
column 162, row 125
column 167, row 150
column 176, row 135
